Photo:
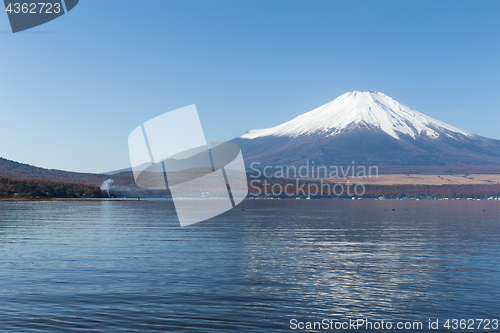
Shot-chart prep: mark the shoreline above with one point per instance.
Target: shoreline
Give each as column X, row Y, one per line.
column 67, row 199
column 262, row 197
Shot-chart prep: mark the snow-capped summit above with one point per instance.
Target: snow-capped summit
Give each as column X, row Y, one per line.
column 371, row 109
column 371, row 128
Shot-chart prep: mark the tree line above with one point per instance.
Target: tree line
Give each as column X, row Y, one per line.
column 47, row 189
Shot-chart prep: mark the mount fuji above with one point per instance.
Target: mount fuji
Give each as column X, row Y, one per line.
column 371, row 128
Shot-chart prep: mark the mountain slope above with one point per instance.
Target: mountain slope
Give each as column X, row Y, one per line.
column 123, row 182
column 18, row 170
column 370, row 128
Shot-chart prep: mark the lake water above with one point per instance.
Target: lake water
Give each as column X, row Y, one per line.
column 127, row 266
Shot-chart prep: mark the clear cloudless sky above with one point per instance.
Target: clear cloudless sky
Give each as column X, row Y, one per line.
column 73, row 89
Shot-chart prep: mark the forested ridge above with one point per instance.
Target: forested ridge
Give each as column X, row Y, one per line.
column 12, row 188
column 12, row 169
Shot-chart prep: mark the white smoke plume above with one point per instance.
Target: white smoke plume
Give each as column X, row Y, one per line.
column 106, row 186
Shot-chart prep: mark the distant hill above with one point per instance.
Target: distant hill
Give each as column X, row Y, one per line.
column 114, row 172
column 12, row 169
column 16, row 170
column 123, row 181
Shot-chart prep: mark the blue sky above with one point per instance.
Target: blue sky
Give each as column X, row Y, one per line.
column 72, row 90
